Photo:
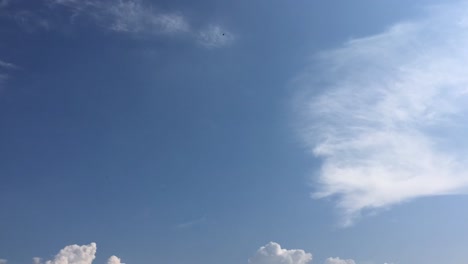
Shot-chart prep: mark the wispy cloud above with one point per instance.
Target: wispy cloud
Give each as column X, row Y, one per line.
column 5, row 69
column 8, row 65
column 389, row 123
column 131, row 17
column 214, row 36
column 126, row 15
column 192, row 223
column 3, row 261
column 339, row 261
column 4, row 3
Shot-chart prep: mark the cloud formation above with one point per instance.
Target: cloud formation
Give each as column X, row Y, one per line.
column 114, row 260
column 272, row 253
column 131, row 16
column 5, row 68
column 136, row 17
column 75, row 254
column 389, row 121
column 7, row 65
column 214, row 36
column 339, row 261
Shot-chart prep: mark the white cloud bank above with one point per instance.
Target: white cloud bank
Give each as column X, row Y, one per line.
column 75, row 254
column 390, row 119
column 272, row 253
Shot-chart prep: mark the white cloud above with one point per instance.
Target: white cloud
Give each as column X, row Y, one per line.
column 114, row 260
column 7, row 65
column 339, row 261
column 3, row 261
column 193, row 222
column 131, row 16
column 75, row 254
column 214, row 36
column 4, row 3
column 37, row 260
column 389, row 123
column 272, row 253
column 4, row 74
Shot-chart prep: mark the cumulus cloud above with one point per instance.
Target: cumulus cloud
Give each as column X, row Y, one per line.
column 114, row 260
column 3, row 261
column 37, row 260
column 339, row 261
column 75, row 254
column 389, row 121
column 214, row 36
column 272, row 253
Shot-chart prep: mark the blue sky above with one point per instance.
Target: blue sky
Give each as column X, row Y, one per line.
column 260, row 132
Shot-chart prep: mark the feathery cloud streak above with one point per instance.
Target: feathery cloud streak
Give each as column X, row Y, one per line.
column 131, row 16
column 389, row 119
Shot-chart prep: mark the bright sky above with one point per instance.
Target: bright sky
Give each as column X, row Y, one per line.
column 233, row 132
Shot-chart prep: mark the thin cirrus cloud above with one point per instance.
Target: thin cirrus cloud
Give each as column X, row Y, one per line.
column 5, row 69
column 388, row 120
column 214, row 36
column 139, row 17
column 131, row 16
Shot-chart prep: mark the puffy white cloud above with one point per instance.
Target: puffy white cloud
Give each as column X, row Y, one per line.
column 37, row 260
column 390, row 119
column 339, row 261
column 214, row 36
column 272, row 253
column 75, row 254
column 114, row 260
column 3, row 261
